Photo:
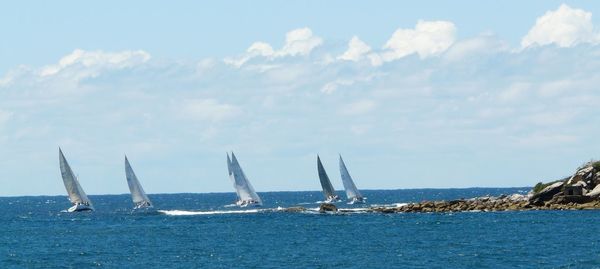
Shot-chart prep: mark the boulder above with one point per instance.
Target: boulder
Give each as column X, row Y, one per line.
column 327, row 207
column 546, row 194
column 581, row 183
column 595, row 192
column 580, row 174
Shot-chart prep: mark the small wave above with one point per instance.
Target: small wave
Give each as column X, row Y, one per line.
column 216, row 212
column 390, row 205
column 355, row 210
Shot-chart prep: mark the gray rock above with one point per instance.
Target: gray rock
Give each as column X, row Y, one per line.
column 327, row 207
column 595, row 192
column 546, row 194
column 580, row 174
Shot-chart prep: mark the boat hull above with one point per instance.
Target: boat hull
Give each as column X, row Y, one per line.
column 248, row 204
column 332, row 199
column 80, row 207
column 357, row 201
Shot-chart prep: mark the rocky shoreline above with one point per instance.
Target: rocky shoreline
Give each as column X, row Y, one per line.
column 577, row 192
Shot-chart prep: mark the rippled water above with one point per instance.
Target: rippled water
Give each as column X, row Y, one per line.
column 198, row 230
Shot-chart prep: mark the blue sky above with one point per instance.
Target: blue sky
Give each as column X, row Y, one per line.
column 427, row 94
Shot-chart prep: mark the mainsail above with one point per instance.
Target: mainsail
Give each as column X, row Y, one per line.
column 351, row 190
column 244, row 189
column 76, row 193
column 328, row 189
column 139, row 197
column 231, row 177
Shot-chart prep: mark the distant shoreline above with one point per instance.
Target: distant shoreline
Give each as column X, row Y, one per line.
column 289, row 191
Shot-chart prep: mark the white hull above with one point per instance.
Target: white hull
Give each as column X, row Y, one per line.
column 332, row 199
column 248, row 203
column 357, row 201
column 80, row 207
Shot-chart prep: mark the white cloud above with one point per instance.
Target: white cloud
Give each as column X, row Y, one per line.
column 356, row 50
column 256, row 49
column 358, row 108
column 429, row 38
column 298, row 42
column 481, row 45
column 207, row 109
column 97, row 59
column 564, row 27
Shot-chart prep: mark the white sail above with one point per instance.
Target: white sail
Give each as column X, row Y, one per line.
column 244, row 189
column 351, row 190
column 231, row 177
column 328, row 189
column 76, row 194
column 139, row 197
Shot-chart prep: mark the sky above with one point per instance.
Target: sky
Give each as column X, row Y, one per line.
column 412, row 95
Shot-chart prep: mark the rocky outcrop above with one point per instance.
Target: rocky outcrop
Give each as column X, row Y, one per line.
column 327, row 207
column 579, row 191
column 547, row 193
column 595, row 192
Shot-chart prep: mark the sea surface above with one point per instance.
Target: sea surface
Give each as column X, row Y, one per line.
column 204, row 231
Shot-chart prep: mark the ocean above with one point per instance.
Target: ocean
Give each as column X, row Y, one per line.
column 203, row 231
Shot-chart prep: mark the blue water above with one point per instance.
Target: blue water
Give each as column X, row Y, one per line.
column 193, row 232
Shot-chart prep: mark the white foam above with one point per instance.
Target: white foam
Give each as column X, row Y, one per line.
column 216, row 212
column 390, row 205
column 357, row 209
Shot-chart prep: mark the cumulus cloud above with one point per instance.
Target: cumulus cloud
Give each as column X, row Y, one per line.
column 428, row 38
column 357, row 49
column 298, row 42
column 564, row 27
column 207, row 110
column 97, row 59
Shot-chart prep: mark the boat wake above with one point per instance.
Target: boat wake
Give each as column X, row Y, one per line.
column 215, row 212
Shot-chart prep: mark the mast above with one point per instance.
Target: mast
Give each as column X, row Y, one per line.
column 328, row 189
column 138, row 195
column 76, row 193
column 351, row 190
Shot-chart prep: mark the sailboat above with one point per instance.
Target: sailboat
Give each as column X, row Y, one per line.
column 77, row 196
column 246, row 195
column 328, row 189
column 351, row 191
column 139, row 197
